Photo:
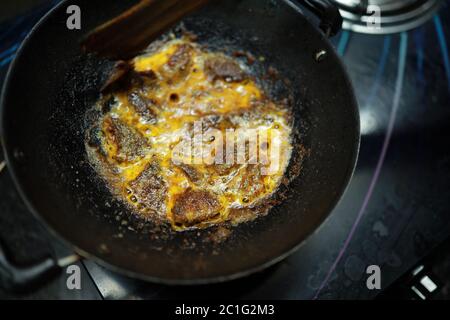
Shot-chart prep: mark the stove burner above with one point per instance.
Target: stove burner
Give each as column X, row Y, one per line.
column 385, row 16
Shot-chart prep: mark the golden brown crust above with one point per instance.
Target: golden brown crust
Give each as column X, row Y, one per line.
column 143, row 106
column 129, row 144
column 195, row 206
column 179, row 63
column 149, row 190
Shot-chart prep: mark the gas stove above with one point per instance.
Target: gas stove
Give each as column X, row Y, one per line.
column 395, row 211
column 386, row 16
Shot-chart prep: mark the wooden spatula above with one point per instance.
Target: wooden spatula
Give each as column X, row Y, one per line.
column 130, row 33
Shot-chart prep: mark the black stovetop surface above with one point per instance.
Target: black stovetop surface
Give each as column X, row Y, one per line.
column 395, row 211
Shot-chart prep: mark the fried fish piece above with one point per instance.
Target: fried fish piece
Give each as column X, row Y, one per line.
column 143, row 106
column 125, row 144
column 195, row 206
column 149, row 189
column 249, row 183
column 123, row 76
column 219, row 67
column 179, row 64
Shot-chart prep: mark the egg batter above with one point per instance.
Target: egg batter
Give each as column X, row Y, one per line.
column 157, row 104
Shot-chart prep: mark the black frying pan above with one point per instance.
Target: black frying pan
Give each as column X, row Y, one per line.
column 51, row 84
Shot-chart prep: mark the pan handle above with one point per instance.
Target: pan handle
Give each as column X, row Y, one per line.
column 28, row 278
column 327, row 12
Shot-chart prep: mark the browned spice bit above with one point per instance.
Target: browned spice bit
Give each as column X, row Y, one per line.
column 181, row 57
column 190, row 35
column 149, row 74
column 250, row 58
column 224, row 68
column 180, row 63
column 239, row 53
column 220, row 235
column 272, row 73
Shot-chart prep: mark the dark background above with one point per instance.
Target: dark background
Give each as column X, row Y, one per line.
column 12, row 8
